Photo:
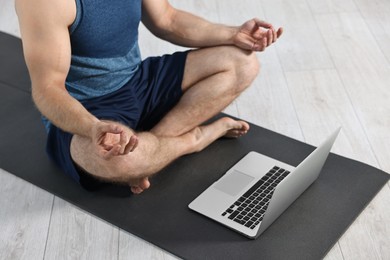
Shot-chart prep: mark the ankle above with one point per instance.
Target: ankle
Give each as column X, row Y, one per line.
column 194, row 138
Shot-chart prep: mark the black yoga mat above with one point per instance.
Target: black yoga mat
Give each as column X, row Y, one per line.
column 307, row 230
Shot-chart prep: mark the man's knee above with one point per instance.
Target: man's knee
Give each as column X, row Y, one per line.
column 244, row 65
column 247, row 68
column 117, row 169
column 120, row 169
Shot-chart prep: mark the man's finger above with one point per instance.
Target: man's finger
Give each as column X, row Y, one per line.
column 279, row 32
column 264, row 44
column 115, row 150
column 275, row 35
column 133, row 143
column 124, row 142
column 261, row 23
column 270, row 37
column 107, row 146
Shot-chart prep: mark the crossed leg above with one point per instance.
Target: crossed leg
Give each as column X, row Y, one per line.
column 213, row 78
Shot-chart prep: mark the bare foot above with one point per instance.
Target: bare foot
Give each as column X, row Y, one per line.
column 239, row 128
column 202, row 137
column 223, row 127
column 138, row 186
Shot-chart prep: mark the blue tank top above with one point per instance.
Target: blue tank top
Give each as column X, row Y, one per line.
column 104, row 42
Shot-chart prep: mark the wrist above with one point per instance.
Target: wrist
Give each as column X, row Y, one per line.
column 91, row 124
column 232, row 32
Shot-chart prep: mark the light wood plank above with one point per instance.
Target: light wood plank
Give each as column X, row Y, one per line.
column 76, row 234
column 376, row 15
column 302, row 47
column 335, row 253
column 372, row 225
column 24, row 218
column 323, row 94
column 132, row 247
column 202, row 8
column 8, row 19
column 267, row 102
column 365, row 74
column 332, row 6
column 231, row 13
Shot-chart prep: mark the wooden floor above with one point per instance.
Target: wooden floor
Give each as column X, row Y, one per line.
column 330, row 68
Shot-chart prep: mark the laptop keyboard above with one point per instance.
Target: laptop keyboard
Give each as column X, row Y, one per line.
column 250, row 208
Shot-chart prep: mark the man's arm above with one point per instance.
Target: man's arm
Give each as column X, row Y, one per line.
column 185, row 29
column 46, row 45
column 47, row 50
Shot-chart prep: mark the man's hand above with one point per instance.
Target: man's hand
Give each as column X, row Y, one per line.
column 256, row 35
column 112, row 139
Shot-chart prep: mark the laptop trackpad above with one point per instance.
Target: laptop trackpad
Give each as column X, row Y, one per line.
column 233, row 183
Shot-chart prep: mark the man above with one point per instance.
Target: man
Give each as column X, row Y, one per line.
column 111, row 117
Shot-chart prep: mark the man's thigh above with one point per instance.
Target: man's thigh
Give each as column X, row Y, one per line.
column 204, row 62
column 158, row 84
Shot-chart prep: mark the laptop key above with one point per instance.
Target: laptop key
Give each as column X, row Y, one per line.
column 234, row 214
column 241, row 199
column 237, row 203
column 253, row 188
column 251, row 206
column 239, row 221
column 249, row 223
column 240, row 216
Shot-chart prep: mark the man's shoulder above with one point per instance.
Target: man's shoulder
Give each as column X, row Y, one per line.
column 59, row 11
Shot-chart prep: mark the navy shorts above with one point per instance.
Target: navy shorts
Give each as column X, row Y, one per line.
column 153, row 91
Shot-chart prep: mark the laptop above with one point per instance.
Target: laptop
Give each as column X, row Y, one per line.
column 252, row 194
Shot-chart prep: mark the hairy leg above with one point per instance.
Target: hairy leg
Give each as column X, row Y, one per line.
column 213, row 78
column 152, row 154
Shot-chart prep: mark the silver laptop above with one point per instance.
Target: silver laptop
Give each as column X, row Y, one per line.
column 257, row 189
